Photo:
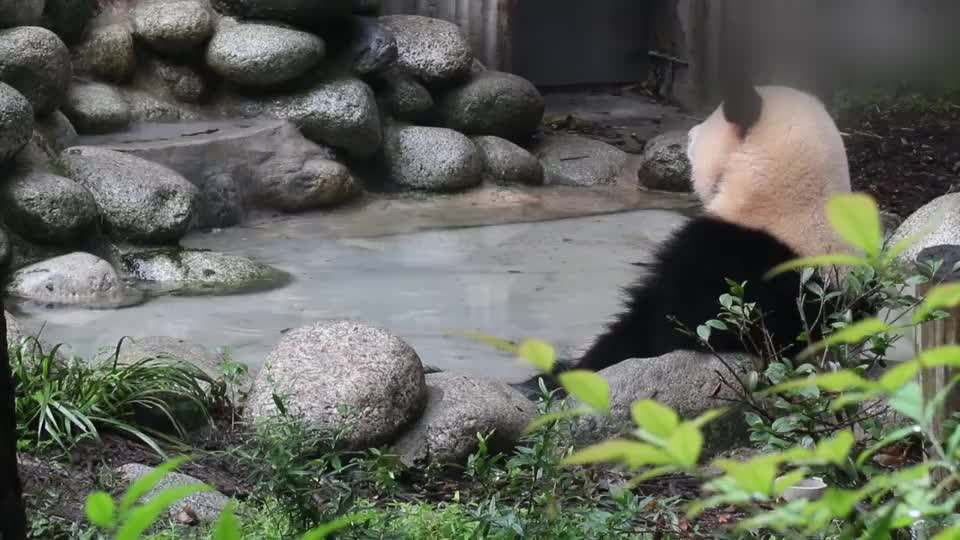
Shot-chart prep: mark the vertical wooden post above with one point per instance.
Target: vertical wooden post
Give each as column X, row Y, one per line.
column 938, row 333
column 13, row 524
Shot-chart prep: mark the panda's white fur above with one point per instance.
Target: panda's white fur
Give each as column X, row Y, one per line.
column 779, row 176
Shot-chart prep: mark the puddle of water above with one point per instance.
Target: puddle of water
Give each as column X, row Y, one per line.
column 556, row 280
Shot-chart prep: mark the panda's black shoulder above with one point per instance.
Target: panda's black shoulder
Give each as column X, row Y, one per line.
column 724, row 245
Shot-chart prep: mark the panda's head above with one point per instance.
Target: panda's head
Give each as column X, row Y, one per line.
column 768, row 158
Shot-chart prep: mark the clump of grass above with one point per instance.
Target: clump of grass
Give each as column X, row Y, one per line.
column 64, row 402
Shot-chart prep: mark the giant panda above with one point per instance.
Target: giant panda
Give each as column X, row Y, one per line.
column 764, row 165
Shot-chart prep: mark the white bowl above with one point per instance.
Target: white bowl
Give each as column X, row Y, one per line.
column 811, row 489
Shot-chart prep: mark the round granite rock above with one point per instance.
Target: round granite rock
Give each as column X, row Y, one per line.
column 432, row 159
column 139, row 200
column 37, row 63
column 47, row 208
column 319, row 369
column 16, row 122
column 494, row 103
column 261, row 55
column 108, row 53
column 95, row 108
column 173, row 26
column 433, row 50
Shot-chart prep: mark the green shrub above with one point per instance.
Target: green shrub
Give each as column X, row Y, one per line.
column 64, row 402
column 877, row 504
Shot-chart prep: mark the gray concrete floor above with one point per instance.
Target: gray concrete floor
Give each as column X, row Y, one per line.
column 556, row 280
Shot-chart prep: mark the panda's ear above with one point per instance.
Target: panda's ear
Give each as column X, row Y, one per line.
column 742, row 104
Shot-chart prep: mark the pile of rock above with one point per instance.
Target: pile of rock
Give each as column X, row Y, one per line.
column 352, row 373
column 399, row 96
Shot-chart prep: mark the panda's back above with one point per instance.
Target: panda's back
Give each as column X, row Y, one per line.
column 684, row 284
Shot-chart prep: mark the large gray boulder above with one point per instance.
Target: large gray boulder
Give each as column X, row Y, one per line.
column 47, row 208
column 935, row 223
column 574, row 160
column 432, row 158
column 206, row 506
column 139, row 200
column 76, row 279
column 262, row 55
column 173, row 26
column 403, row 97
column 433, row 50
column 95, row 108
column 665, row 164
column 57, row 131
column 37, row 63
column 20, row 12
column 303, row 13
column 318, row 183
column 151, row 107
column 459, row 408
column 182, row 81
column 341, row 113
column 267, row 163
column 108, row 53
column 189, row 271
column 507, row 163
column 685, row 381
column 317, row 369
column 16, row 122
column 493, row 103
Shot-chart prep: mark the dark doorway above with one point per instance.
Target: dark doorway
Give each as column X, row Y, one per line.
column 574, row 42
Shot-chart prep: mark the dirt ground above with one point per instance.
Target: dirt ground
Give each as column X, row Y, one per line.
column 904, row 158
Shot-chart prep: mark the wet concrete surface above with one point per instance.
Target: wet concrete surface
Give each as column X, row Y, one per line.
column 557, row 280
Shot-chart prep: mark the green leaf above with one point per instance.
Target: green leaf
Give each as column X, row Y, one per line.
column 954, row 442
column 908, row 401
column 143, row 486
column 142, row 517
column 685, row 445
column 588, row 387
column 898, row 435
column 945, row 355
column 633, row 454
column 938, row 297
column 654, row 417
column 323, row 531
column 790, row 479
column 953, row 533
column 99, row 509
column 755, row 476
column 489, row 340
column 838, row 381
column 707, row 417
column 545, row 419
column 227, row 527
column 854, row 333
column 837, row 448
column 817, row 261
column 899, row 375
column 856, row 219
column 537, row 353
